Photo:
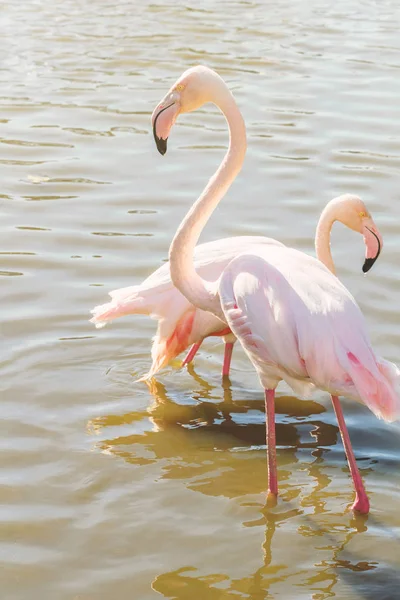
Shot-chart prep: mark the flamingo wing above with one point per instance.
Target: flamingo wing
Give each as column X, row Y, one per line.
column 156, row 295
column 179, row 323
column 297, row 322
column 255, row 302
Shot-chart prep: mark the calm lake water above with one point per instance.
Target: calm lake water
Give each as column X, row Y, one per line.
column 113, row 489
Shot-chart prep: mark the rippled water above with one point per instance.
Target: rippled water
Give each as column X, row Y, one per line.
column 110, row 489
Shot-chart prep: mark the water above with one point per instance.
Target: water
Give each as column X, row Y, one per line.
column 110, row 489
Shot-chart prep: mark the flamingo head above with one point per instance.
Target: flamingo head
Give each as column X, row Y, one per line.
column 353, row 213
column 189, row 92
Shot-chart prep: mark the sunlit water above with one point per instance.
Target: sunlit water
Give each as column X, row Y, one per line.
column 110, row 489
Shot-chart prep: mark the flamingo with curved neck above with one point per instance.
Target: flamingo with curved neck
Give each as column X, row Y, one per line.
column 180, row 324
column 347, row 209
column 194, row 88
column 294, row 319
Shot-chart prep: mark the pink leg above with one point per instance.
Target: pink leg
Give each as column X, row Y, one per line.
column 190, row 355
column 227, row 359
column 271, row 442
column 361, row 503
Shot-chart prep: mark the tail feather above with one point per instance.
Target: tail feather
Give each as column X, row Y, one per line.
column 160, row 356
column 166, row 347
column 125, row 301
column 379, row 390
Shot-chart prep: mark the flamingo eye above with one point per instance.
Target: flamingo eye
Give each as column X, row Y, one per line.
column 180, row 87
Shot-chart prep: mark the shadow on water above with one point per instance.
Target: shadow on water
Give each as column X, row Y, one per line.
column 206, row 435
column 197, row 441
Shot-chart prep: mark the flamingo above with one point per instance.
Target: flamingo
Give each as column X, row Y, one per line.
column 181, row 324
column 293, row 317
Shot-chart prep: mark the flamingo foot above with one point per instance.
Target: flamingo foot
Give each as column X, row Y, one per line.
column 227, row 359
column 272, row 500
column 361, row 503
column 271, row 443
column 191, row 354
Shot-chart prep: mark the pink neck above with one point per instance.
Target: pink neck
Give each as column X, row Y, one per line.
column 183, row 274
column 323, row 237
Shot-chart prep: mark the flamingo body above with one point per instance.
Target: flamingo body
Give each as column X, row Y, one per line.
column 298, row 323
column 180, row 324
column 292, row 316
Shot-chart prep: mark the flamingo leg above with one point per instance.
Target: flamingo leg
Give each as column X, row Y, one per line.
column 361, row 503
column 191, row 354
column 271, row 442
column 227, row 359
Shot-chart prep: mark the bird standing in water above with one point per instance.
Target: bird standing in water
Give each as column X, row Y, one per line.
column 292, row 316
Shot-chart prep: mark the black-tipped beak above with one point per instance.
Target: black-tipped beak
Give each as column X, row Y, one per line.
column 160, row 142
column 368, row 264
column 370, row 261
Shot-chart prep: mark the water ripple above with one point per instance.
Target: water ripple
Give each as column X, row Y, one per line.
column 112, row 488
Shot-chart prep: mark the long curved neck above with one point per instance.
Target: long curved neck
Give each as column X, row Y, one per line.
column 183, row 274
column 323, row 238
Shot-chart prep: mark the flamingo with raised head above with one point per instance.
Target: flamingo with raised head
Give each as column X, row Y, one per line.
column 295, row 320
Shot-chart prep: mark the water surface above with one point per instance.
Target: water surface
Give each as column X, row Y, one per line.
column 112, row 489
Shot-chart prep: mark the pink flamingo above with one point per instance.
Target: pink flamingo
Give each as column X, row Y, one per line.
column 181, row 324
column 295, row 320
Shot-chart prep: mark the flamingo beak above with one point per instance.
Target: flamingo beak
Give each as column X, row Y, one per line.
column 163, row 118
column 373, row 244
